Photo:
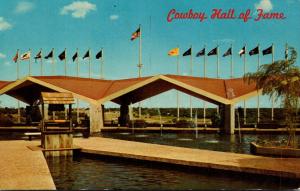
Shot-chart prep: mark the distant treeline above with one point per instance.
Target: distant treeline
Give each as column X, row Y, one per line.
column 265, row 113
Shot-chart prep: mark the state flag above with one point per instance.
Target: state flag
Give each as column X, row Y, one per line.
column 201, row 53
column 174, row 52
column 62, row 55
column 38, row 55
column 25, row 56
column 75, row 56
column 99, row 54
column 228, row 52
column 213, row 52
column 16, row 57
column 268, row 50
column 136, row 34
column 188, row 52
column 242, row 51
column 50, row 55
column 86, row 55
column 254, row 51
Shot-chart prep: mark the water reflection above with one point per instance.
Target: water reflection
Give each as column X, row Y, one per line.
column 88, row 173
column 216, row 142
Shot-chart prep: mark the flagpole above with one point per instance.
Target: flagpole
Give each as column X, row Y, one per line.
column 102, row 63
column 272, row 111
column 52, row 59
column 18, row 77
column 231, row 62
column 53, row 71
column 77, row 100
column 218, row 67
column 204, row 74
column 18, row 65
column 258, row 104
column 41, row 63
column 140, row 51
column 140, row 63
column 245, row 110
column 218, row 72
column 177, row 95
column 65, row 62
column 191, row 57
column 204, row 58
column 89, row 63
column 29, row 62
column 66, row 109
column 77, row 62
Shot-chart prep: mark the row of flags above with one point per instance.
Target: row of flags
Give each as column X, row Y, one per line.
column 214, row 51
column 61, row 56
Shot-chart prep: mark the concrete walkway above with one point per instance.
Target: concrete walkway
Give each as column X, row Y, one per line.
column 22, row 168
column 280, row 167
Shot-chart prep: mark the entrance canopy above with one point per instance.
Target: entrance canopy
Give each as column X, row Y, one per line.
column 99, row 91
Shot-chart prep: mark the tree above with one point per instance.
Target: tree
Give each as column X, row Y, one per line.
column 281, row 79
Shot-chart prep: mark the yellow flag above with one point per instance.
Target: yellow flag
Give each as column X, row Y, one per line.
column 174, row 52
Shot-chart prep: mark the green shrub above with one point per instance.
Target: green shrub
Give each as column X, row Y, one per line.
column 185, row 124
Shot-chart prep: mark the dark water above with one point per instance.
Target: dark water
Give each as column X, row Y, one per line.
column 98, row 174
column 88, row 172
column 216, row 142
column 13, row 136
column 105, row 173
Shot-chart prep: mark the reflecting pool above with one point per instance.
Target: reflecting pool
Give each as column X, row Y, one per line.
column 90, row 173
column 216, row 142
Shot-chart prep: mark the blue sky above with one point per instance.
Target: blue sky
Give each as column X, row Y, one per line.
column 109, row 24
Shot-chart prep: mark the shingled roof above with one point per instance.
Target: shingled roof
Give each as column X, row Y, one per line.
column 215, row 90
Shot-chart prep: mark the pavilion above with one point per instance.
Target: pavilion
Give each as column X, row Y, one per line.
column 225, row 92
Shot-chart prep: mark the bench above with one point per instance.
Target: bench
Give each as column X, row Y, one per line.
column 31, row 134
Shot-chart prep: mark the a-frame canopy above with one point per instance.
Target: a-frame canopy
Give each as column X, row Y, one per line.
column 125, row 91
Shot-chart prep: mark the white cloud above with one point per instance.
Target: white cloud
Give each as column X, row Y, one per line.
column 113, row 17
column 4, row 25
column 2, row 55
column 266, row 5
column 78, row 9
column 24, row 7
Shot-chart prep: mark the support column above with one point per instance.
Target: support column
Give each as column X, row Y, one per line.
column 46, row 115
column 96, row 118
column 124, row 115
column 229, row 119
